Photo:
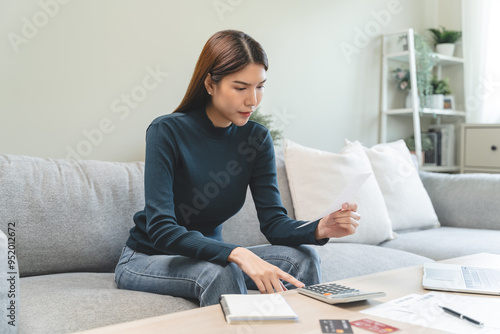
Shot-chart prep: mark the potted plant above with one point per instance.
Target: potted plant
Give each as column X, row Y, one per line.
column 267, row 121
column 424, row 65
column 445, row 40
column 402, row 77
column 427, row 144
column 440, row 88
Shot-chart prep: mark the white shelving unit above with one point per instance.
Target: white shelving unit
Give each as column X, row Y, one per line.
column 408, row 57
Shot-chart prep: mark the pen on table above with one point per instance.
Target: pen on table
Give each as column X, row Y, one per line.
column 461, row 316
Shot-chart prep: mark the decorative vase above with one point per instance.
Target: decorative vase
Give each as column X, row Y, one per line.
column 447, row 49
column 409, row 100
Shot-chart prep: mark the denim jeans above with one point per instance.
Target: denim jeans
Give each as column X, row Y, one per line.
column 186, row 277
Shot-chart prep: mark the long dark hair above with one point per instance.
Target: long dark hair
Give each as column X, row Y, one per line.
column 226, row 52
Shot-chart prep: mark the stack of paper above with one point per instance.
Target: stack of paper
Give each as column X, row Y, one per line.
column 424, row 310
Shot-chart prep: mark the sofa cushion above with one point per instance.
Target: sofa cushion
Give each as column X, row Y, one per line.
column 65, row 303
column 447, row 242
column 70, row 215
column 345, row 260
column 407, row 201
column 317, row 177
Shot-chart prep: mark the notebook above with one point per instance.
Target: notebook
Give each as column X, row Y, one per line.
column 256, row 307
column 452, row 277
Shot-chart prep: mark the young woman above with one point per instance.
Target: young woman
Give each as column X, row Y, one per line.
column 200, row 159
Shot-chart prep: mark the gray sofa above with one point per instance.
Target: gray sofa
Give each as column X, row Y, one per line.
column 69, row 221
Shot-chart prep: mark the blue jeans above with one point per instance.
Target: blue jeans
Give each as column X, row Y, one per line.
column 186, row 277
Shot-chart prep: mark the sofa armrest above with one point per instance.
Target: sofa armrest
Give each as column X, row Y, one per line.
column 9, row 286
column 465, row 200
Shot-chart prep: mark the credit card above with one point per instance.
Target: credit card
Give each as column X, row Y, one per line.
column 374, row 326
column 336, row 326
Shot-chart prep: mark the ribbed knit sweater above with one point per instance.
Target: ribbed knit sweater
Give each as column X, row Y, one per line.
column 196, row 177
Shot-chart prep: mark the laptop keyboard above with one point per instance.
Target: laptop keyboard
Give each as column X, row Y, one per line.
column 481, row 278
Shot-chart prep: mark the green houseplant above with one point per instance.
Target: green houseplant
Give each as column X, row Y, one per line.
column 440, row 88
column 445, row 40
column 267, row 121
column 424, row 63
column 427, row 144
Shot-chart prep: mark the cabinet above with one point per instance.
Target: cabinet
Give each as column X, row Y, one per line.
column 480, row 148
column 393, row 56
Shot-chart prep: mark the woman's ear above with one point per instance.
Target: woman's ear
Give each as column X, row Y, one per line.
column 209, row 84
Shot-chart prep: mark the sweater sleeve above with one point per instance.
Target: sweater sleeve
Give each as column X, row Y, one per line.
column 166, row 235
column 275, row 224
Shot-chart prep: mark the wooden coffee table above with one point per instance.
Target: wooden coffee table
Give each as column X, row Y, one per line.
column 395, row 283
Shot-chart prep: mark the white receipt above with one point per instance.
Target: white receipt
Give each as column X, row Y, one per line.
column 345, row 196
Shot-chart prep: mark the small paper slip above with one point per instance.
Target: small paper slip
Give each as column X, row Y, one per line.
column 345, row 196
column 256, row 307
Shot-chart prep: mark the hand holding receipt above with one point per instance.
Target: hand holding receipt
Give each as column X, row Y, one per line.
column 345, row 196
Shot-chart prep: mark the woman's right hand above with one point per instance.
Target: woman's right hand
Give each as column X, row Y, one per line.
column 265, row 275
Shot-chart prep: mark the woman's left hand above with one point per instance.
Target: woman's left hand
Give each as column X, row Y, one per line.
column 340, row 223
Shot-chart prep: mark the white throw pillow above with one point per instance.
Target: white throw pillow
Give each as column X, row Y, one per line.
column 407, row 201
column 317, row 177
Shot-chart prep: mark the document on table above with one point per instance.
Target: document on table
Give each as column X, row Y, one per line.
column 345, row 196
column 424, row 310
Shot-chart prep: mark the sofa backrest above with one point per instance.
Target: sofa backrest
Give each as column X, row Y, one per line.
column 73, row 216
column 465, row 200
column 68, row 215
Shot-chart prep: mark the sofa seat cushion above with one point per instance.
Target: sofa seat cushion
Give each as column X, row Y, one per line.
column 65, row 303
column 345, row 260
column 447, row 242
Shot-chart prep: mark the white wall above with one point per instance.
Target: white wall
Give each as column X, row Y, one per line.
column 82, row 69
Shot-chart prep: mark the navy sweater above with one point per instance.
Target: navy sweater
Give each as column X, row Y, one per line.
column 196, row 177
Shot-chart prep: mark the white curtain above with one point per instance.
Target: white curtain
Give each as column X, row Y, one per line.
column 481, row 36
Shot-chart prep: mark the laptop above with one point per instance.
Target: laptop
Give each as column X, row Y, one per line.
column 459, row 278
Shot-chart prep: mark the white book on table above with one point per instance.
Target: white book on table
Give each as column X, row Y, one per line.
column 256, row 307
